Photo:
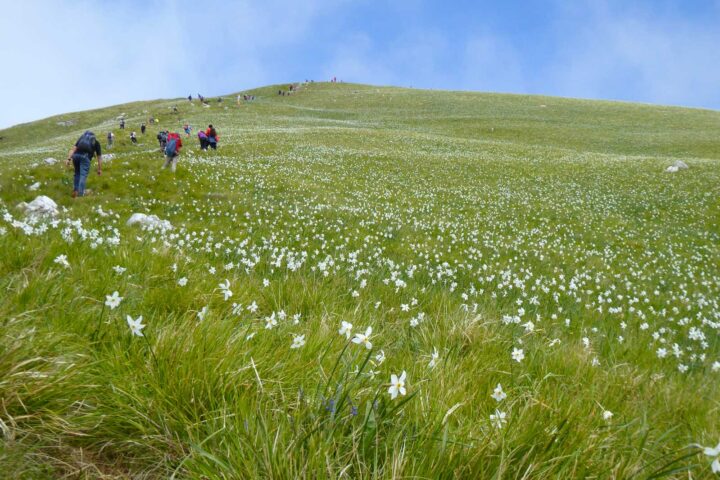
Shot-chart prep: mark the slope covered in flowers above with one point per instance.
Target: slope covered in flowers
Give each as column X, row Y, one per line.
column 366, row 282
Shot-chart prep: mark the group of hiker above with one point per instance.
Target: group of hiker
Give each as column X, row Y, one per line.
column 88, row 146
column 133, row 135
column 208, row 138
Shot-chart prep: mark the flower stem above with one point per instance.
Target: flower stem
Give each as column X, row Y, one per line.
column 97, row 328
column 151, row 351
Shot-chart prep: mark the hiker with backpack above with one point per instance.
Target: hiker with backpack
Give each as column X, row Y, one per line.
column 142, row 128
column 212, row 137
column 133, row 138
column 172, row 151
column 203, row 140
column 162, row 139
column 110, row 137
column 122, row 124
column 187, row 129
column 80, row 155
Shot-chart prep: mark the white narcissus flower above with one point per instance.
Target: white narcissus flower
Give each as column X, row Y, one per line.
column 201, row 314
column 364, row 339
column 518, row 354
column 607, row 415
column 298, row 341
column 434, row 357
column 119, row 270
column 136, row 325
column 397, row 385
column 271, row 321
column 713, row 452
column 380, row 357
column 498, row 419
column 62, row 260
column 225, row 289
column 113, row 300
column 345, row 329
column 498, row 394
column 183, row 281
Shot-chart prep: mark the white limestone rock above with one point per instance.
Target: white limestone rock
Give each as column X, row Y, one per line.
column 152, row 222
column 41, row 207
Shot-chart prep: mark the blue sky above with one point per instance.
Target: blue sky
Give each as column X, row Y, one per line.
column 61, row 56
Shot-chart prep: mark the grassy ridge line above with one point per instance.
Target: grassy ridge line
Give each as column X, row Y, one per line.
column 580, row 125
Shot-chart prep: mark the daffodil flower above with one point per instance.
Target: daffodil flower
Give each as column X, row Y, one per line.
column 298, row 341
column 498, row 394
column 518, row 354
column 136, row 325
column 113, row 300
column 346, row 329
column 363, row 339
column 498, row 419
column 397, row 385
column 434, row 358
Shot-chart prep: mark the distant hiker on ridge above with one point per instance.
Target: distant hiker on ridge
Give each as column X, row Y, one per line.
column 172, row 150
column 122, row 123
column 80, row 155
column 110, row 137
column 142, row 128
column 133, row 138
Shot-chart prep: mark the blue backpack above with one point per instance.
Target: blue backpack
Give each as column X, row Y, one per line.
column 86, row 143
column 171, row 148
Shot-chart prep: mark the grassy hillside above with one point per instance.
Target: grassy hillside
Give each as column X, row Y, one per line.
column 549, row 291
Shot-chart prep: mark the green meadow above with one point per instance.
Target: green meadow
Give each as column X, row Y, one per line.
column 365, row 282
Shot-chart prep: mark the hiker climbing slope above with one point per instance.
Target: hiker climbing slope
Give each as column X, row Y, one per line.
column 203, row 139
column 172, row 150
column 80, row 155
column 212, row 137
